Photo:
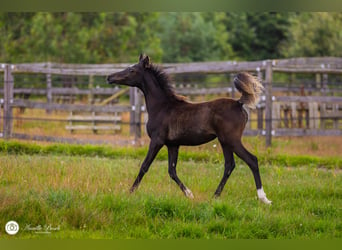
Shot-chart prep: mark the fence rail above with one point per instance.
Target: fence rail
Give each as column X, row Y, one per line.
column 330, row 65
column 268, row 112
column 20, row 103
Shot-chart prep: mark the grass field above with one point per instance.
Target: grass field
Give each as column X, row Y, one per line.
column 82, row 192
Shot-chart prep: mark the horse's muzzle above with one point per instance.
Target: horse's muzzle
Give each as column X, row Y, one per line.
column 111, row 79
column 108, row 79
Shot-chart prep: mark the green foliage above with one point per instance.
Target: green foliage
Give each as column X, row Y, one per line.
column 314, row 34
column 193, row 37
column 167, row 37
column 256, row 36
column 77, row 37
column 59, row 199
column 13, row 147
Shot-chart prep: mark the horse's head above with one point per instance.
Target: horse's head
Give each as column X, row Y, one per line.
column 133, row 75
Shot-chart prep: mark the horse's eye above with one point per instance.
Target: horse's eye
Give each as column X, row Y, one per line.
column 131, row 70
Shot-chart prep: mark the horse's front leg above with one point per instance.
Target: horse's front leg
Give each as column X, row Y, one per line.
column 173, row 156
column 152, row 152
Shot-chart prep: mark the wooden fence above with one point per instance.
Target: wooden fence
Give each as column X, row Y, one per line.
column 271, row 112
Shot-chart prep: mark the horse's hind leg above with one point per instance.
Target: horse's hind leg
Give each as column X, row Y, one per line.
column 229, row 166
column 173, row 156
column 252, row 162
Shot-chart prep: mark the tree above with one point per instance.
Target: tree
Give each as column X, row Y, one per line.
column 121, row 37
column 12, row 26
column 77, row 37
column 187, row 37
column 257, row 36
column 146, row 39
column 241, row 35
column 314, row 34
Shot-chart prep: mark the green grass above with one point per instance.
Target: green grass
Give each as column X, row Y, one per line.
column 83, row 191
column 206, row 155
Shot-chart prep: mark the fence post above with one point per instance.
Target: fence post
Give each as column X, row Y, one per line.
column 48, row 88
column 91, row 88
column 231, row 78
column 260, row 108
column 135, row 114
column 8, row 100
column 137, row 104
column 268, row 107
column 325, row 83
column 313, row 115
column 132, row 113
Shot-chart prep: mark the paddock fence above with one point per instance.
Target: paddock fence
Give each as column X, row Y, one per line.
column 302, row 97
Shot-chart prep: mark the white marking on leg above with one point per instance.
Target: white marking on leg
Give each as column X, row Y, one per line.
column 188, row 193
column 262, row 196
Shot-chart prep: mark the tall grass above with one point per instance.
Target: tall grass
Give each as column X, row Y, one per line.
column 206, row 155
column 85, row 195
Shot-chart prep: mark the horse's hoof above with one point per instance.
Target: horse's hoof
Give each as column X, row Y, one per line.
column 188, row 193
column 262, row 196
column 265, row 200
column 216, row 196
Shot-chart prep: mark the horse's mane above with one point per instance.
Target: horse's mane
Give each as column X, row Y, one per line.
column 164, row 83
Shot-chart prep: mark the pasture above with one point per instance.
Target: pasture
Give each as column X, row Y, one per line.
column 67, row 191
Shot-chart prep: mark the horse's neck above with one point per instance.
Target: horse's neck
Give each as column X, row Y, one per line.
column 153, row 103
column 155, row 98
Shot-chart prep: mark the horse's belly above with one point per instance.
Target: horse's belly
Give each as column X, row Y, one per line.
column 191, row 136
column 197, row 140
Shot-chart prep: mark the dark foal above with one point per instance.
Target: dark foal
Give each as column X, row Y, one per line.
column 174, row 121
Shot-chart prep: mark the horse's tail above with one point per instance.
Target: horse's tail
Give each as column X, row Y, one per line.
column 250, row 88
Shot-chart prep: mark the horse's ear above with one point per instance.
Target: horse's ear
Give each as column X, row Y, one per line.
column 141, row 57
column 146, row 62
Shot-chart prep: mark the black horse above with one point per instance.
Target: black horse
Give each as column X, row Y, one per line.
column 174, row 121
